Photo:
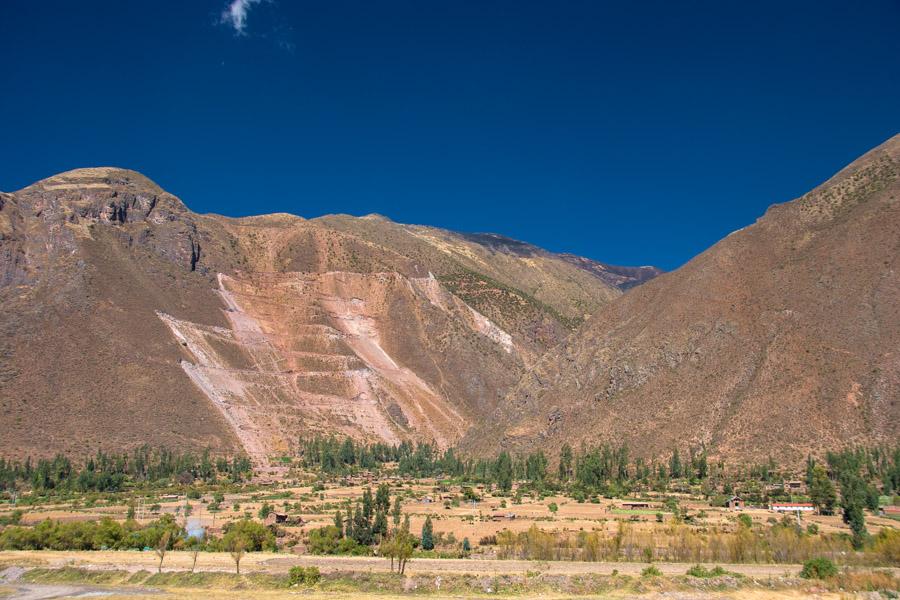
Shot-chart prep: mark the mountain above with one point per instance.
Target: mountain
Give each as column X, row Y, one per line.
column 128, row 319
column 782, row 339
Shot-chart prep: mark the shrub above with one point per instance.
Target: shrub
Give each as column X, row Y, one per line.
column 701, row 571
column 324, row 540
column 303, row 576
column 818, row 568
column 887, row 546
column 13, row 518
column 193, row 494
column 253, row 536
column 553, row 507
column 651, row 571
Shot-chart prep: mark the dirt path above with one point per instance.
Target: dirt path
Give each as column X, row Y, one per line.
column 10, row 584
column 280, row 563
column 34, row 591
column 505, row 567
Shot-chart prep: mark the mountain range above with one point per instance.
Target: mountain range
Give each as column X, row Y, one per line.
column 128, row 319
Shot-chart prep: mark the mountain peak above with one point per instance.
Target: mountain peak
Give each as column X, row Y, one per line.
column 98, row 178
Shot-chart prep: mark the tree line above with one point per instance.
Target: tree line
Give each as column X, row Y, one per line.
column 110, row 472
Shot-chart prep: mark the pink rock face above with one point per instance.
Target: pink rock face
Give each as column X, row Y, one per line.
column 308, row 352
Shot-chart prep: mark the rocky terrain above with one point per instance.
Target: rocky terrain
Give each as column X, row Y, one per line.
column 779, row 340
column 129, row 319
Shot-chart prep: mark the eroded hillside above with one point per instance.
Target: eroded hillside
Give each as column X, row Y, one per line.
column 128, row 319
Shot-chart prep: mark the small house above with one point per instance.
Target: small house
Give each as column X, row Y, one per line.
column 735, row 503
column 276, row 518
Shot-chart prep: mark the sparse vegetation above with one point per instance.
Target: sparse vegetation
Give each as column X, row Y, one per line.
column 818, row 568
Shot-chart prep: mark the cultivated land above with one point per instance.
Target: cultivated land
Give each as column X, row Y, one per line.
column 346, row 375
column 486, row 517
column 488, row 570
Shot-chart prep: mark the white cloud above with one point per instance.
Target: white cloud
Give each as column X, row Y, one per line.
column 235, row 14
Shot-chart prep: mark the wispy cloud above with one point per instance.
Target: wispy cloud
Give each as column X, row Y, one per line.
column 235, row 14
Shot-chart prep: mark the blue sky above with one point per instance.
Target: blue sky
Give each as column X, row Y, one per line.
column 632, row 133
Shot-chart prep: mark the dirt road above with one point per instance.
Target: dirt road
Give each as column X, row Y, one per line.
column 280, row 563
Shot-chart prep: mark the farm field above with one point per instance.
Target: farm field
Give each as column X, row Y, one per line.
column 465, row 529
column 308, row 509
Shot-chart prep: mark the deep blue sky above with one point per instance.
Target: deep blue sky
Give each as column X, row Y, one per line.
column 633, row 133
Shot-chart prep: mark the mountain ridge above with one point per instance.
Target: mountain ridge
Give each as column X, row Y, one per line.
column 157, row 324
column 758, row 346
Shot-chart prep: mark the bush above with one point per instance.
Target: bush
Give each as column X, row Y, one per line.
column 13, row 518
column 324, row 540
column 651, row 571
column 303, row 576
column 818, row 568
column 701, row 571
column 104, row 534
column 252, row 535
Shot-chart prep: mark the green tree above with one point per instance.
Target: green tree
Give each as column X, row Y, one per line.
column 254, row 535
column 339, row 523
column 852, row 502
column 362, row 526
column 380, row 526
column 368, row 508
column 324, row 540
column 565, row 463
column 404, row 546
column 383, row 498
column 503, row 471
column 702, row 466
column 428, row 534
column 395, row 513
column 675, row 465
column 822, row 491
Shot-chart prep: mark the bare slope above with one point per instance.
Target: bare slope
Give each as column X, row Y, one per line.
column 782, row 338
column 128, row 319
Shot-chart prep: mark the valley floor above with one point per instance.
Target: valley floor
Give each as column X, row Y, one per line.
column 50, row 574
